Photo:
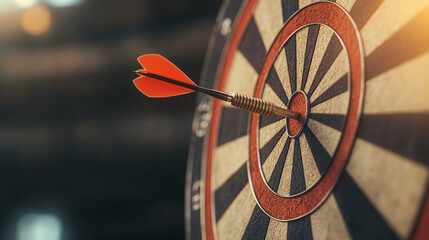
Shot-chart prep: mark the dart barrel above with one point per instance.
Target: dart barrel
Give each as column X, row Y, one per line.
column 260, row 106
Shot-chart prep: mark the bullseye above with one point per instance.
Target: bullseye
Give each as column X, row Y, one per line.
column 298, row 103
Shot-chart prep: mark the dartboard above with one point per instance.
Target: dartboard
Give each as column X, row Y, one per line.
column 355, row 164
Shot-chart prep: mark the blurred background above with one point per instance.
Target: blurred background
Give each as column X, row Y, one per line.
column 84, row 155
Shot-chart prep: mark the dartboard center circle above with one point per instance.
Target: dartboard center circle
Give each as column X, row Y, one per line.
column 298, row 103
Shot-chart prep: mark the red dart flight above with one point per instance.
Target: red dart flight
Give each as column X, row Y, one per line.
column 152, row 87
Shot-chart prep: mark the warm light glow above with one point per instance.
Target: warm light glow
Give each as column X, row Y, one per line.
column 25, row 3
column 36, row 21
column 36, row 226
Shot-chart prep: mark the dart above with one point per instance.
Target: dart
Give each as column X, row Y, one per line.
column 160, row 78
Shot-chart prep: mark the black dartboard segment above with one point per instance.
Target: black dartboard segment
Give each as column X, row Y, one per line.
column 381, row 192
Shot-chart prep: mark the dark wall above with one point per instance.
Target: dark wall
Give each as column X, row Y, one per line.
column 77, row 139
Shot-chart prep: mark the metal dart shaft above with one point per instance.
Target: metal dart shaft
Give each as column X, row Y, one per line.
column 260, row 106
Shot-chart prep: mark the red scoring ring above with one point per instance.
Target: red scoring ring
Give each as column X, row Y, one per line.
column 290, row 208
column 298, row 103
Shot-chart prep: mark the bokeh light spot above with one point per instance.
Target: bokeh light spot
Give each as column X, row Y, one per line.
column 36, row 226
column 25, row 3
column 63, row 3
column 36, row 21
